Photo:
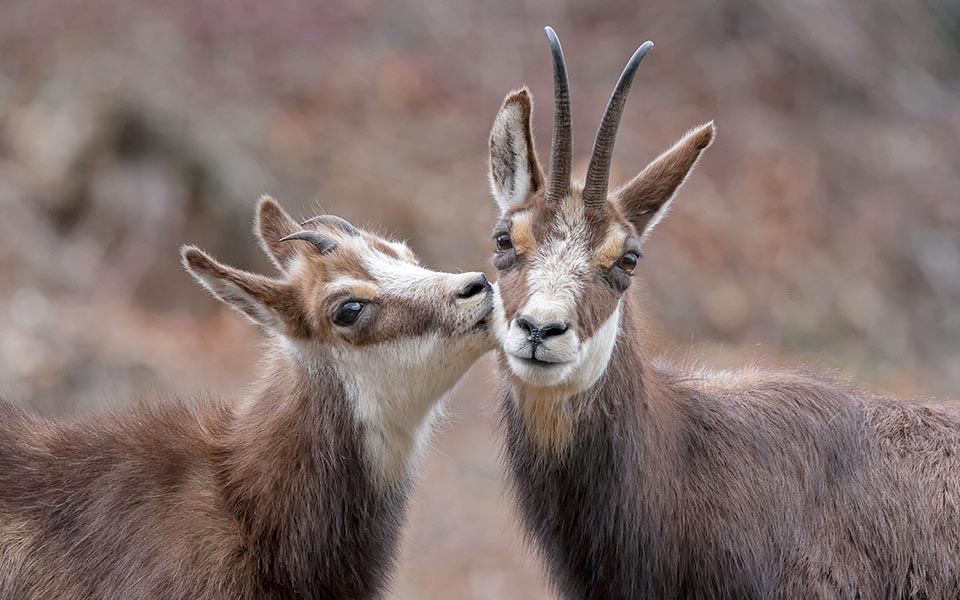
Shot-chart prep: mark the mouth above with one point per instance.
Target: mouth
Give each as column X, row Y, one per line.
column 537, row 363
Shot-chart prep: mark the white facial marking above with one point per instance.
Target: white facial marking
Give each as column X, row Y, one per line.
column 406, row 280
column 554, row 282
column 595, row 351
column 586, row 366
column 554, row 288
column 500, row 325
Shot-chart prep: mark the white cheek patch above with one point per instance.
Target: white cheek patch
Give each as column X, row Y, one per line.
column 595, row 351
column 500, row 324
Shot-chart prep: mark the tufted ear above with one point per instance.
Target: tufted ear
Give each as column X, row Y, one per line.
column 272, row 224
column 647, row 198
column 264, row 301
column 515, row 172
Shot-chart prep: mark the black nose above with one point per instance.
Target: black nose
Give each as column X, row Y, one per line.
column 537, row 332
column 475, row 286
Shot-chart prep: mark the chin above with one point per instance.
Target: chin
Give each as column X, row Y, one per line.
column 539, row 375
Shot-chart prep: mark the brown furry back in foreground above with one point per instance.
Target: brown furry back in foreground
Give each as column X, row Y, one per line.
column 269, row 500
column 773, row 485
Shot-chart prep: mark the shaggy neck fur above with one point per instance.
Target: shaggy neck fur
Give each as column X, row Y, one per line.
column 309, row 497
column 747, row 485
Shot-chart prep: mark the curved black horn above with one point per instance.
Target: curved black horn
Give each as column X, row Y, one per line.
column 322, row 242
column 335, row 221
column 561, row 148
column 598, row 172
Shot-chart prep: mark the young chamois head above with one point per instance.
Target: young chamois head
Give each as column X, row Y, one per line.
column 567, row 251
column 396, row 335
column 344, row 289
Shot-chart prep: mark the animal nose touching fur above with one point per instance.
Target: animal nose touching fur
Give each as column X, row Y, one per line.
column 477, row 285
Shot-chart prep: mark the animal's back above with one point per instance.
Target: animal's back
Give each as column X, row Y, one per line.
column 122, row 506
column 817, row 489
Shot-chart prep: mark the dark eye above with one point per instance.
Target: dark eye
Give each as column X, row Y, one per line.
column 504, row 242
column 628, row 262
column 348, row 313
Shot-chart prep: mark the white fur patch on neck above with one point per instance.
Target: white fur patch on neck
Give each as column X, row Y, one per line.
column 395, row 389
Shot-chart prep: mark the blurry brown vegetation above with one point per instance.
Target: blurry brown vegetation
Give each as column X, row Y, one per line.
column 822, row 227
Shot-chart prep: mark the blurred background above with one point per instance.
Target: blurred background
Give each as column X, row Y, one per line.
column 822, row 227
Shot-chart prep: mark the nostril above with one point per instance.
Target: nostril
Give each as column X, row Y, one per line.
column 473, row 287
column 526, row 323
column 553, row 329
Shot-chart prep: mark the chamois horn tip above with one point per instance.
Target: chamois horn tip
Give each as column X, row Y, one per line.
column 639, row 54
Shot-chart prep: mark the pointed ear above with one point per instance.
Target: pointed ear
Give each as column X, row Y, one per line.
column 514, row 169
column 264, row 301
column 271, row 225
column 646, row 199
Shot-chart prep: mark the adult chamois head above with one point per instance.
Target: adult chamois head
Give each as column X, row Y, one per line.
column 567, row 250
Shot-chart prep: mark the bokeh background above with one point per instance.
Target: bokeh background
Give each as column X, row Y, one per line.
column 823, row 226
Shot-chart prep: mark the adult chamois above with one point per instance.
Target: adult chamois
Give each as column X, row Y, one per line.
column 296, row 489
column 636, row 479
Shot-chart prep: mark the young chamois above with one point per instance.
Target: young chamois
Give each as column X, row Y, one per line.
column 295, row 490
column 639, row 480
